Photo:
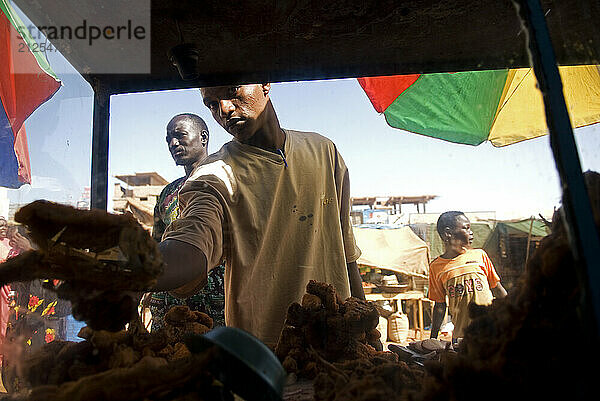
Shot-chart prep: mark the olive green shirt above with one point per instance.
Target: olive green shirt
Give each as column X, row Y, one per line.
column 277, row 223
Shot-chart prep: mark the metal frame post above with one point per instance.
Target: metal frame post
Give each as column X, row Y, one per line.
column 99, row 180
column 577, row 211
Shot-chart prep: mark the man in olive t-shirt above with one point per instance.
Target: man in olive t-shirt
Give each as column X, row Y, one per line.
column 274, row 204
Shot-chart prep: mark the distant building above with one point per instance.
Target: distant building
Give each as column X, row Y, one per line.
column 385, row 209
column 138, row 195
column 12, row 209
column 85, row 199
column 432, row 218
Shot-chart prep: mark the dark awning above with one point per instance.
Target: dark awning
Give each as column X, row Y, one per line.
column 260, row 41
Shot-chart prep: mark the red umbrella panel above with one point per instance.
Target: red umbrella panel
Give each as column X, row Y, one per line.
column 26, row 81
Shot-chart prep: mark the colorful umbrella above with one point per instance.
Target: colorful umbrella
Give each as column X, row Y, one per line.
column 26, row 81
column 500, row 106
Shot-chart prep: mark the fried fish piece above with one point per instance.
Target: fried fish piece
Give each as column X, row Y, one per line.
column 334, row 330
column 85, row 247
column 324, row 291
column 101, row 259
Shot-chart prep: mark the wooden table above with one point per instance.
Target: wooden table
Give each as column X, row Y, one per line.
column 414, row 296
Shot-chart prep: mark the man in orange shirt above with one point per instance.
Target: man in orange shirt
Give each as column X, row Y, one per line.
column 461, row 274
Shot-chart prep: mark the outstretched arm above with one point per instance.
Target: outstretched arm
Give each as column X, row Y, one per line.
column 356, row 288
column 439, row 311
column 193, row 243
column 184, row 265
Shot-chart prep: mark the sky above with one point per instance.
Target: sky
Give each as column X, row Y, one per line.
column 519, row 180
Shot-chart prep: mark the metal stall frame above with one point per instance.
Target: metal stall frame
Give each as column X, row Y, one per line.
column 577, row 214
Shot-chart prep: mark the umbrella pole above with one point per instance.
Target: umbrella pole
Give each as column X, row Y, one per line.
column 529, row 240
column 577, row 211
column 99, row 184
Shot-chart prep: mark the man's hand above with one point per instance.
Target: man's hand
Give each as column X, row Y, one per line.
column 498, row 291
column 356, row 288
column 439, row 311
column 111, row 310
column 20, row 242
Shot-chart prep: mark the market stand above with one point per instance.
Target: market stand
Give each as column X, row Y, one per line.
column 416, row 297
column 398, row 252
column 315, row 41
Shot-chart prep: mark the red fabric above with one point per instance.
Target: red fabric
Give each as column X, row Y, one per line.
column 4, row 311
column 23, row 84
column 22, row 153
column 382, row 91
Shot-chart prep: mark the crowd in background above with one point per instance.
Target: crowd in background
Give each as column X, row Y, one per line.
column 30, row 314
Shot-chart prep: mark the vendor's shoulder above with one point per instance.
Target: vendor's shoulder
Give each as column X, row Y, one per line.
column 219, row 157
column 222, row 154
column 313, row 140
column 309, row 136
column 210, row 167
column 215, row 171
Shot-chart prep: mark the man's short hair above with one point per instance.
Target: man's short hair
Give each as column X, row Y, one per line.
column 447, row 219
column 196, row 120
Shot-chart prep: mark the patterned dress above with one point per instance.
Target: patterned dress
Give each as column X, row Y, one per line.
column 210, row 299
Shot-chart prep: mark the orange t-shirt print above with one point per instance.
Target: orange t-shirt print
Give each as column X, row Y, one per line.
column 466, row 278
column 441, row 270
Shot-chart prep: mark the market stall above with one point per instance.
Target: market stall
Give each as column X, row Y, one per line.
column 511, row 244
column 322, row 320
column 397, row 250
column 395, row 265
